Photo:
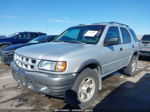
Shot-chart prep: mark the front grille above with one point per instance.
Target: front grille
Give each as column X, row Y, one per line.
column 6, row 52
column 24, row 62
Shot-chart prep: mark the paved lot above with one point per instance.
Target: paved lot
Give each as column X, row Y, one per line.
column 117, row 88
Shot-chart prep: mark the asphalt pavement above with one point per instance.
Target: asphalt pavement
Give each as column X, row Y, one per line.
column 119, row 93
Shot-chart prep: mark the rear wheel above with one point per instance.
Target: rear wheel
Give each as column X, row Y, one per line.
column 86, row 87
column 131, row 68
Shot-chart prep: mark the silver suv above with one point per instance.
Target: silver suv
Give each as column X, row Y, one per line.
column 77, row 60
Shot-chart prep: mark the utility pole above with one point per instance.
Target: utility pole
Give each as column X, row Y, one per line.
column 46, row 24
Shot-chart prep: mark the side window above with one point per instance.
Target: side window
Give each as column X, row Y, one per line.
column 125, row 35
column 21, row 36
column 46, row 39
column 33, row 35
column 133, row 35
column 50, row 38
column 112, row 32
column 29, row 36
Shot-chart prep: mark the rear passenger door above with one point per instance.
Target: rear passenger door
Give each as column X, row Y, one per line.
column 127, row 46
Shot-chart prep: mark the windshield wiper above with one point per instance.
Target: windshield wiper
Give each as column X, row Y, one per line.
column 75, row 42
column 70, row 41
column 57, row 41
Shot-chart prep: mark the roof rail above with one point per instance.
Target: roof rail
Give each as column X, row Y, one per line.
column 112, row 23
column 118, row 23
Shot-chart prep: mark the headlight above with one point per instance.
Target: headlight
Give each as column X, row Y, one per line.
column 59, row 66
column 11, row 52
column 15, row 57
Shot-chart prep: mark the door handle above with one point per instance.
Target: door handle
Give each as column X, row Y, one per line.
column 132, row 46
column 121, row 49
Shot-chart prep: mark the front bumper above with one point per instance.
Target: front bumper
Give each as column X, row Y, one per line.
column 6, row 57
column 50, row 84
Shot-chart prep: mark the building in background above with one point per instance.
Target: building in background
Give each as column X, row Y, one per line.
column 2, row 36
column 139, row 37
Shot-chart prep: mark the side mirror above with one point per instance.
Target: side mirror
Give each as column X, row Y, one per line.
column 111, row 41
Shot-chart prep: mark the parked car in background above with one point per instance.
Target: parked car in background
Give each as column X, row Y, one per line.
column 77, row 60
column 2, row 36
column 19, row 37
column 145, row 46
column 7, row 53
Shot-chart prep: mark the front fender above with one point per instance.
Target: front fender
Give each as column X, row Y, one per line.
column 89, row 62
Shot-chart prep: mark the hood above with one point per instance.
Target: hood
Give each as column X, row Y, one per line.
column 13, row 47
column 16, row 46
column 50, row 51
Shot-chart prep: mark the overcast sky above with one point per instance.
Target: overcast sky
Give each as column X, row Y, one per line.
column 57, row 15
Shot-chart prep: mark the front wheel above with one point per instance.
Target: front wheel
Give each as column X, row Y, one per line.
column 86, row 87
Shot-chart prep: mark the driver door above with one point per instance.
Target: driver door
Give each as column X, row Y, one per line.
column 111, row 53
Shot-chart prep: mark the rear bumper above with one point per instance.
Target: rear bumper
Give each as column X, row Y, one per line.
column 50, row 84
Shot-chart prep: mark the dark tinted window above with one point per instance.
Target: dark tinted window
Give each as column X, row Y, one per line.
column 29, row 36
column 22, row 36
column 146, row 38
column 125, row 35
column 40, row 34
column 112, row 32
column 33, row 35
column 133, row 35
column 50, row 38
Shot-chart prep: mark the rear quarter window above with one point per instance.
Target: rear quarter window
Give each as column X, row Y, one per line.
column 133, row 35
column 125, row 35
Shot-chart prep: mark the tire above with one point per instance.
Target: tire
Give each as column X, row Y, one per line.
column 130, row 69
column 1, row 48
column 4, row 46
column 90, row 77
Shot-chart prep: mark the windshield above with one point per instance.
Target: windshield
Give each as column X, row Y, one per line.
column 12, row 35
column 82, row 34
column 146, row 38
column 39, row 39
